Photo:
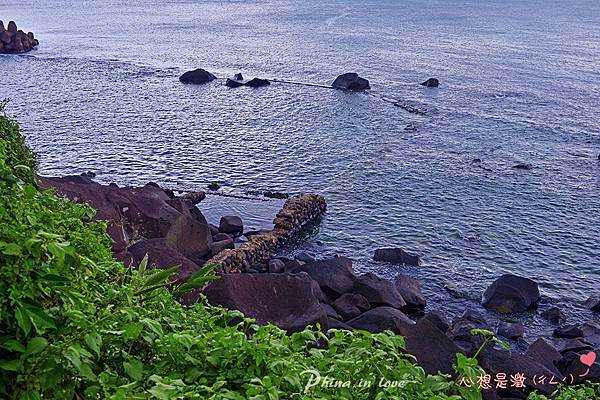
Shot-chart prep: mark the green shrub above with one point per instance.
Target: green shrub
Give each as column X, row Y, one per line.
column 74, row 323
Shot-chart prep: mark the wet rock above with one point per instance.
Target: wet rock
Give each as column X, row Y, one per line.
column 12, row 26
column 523, row 166
column 511, row 329
column 337, row 324
column 568, row 332
column 214, row 186
column 574, row 345
column 438, row 319
column 511, row 293
column 351, row 81
column 410, row 290
column 233, row 83
column 286, row 300
column 238, row 76
column 257, row 82
column 231, row 224
column 305, row 257
column 431, row 82
column 334, row 276
column 198, row 76
column 276, row 266
column 545, row 354
column 434, row 351
column 460, row 332
column 350, row 305
column 214, row 230
column 192, row 197
column 275, row 195
column 593, row 303
column 14, row 40
column 378, row 292
column 292, row 266
column 396, row 256
column 217, row 247
column 381, row 319
column 591, row 332
column 221, row 236
column 554, row 315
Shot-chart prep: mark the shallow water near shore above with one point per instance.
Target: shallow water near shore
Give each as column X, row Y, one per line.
column 101, row 94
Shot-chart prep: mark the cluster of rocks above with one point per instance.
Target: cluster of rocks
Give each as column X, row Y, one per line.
column 238, row 80
column 171, row 230
column 14, row 40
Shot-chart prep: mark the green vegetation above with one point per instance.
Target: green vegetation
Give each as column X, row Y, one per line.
column 74, row 323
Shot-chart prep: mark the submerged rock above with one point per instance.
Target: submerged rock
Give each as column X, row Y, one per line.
column 554, row 315
column 233, row 83
column 238, row 76
column 523, row 166
column 593, row 303
column 257, row 82
column 197, row 76
column 511, row 293
column 396, row 256
column 431, row 82
column 511, row 329
column 351, row 81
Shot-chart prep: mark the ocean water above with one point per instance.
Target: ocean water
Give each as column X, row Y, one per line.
column 519, row 84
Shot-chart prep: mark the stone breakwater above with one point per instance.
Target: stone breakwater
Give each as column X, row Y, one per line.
column 14, row 40
column 296, row 214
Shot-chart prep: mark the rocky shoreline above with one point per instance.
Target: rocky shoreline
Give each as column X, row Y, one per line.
column 296, row 292
column 14, row 40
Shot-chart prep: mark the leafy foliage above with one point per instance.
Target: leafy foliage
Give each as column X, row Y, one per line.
column 74, row 323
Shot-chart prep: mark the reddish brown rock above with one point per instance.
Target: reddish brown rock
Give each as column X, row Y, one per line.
column 378, row 291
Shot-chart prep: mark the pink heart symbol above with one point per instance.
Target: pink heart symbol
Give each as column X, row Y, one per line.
column 588, row 359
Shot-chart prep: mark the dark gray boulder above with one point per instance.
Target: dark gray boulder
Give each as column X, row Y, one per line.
column 434, row 351
column 593, row 303
column 189, row 237
column 276, row 266
column 511, row 329
column 350, row 305
column 351, row 81
column 545, row 354
column 511, row 293
column 286, row 300
column 238, row 76
column 438, row 319
column 217, row 247
column 381, row 319
column 431, row 82
column 231, row 224
column 233, row 83
column 197, row 76
column 554, row 315
column 378, row 291
column 257, row 82
column 568, row 332
column 410, row 290
column 334, row 275
column 396, row 256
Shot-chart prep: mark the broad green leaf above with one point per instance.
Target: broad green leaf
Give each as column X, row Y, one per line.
column 132, row 330
column 12, row 249
column 153, row 325
column 10, row 365
column 94, row 342
column 160, row 276
column 36, row 345
column 134, row 368
column 23, row 319
column 73, row 355
column 13, row 345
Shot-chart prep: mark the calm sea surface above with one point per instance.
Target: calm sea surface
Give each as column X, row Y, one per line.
column 520, row 83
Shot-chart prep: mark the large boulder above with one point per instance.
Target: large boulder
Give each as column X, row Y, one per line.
column 197, row 76
column 382, row 319
column 257, row 82
column 189, row 237
column 396, row 256
column 410, row 290
column 233, row 83
column 593, row 303
column 350, row 305
column 434, row 351
column 231, row 224
column 351, row 81
column 378, row 291
column 431, row 82
column 334, row 276
column 545, row 354
column 286, row 300
column 511, row 293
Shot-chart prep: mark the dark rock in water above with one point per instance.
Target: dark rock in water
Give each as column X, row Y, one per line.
column 257, row 82
column 438, row 319
column 591, row 333
column 238, row 76
column 511, row 330
column 214, row 186
column 275, row 195
column 350, row 305
column 217, row 247
column 568, row 332
column 233, row 83
column 334, row 276
column 276, row 266
column 305, row 257
column 221, row 236
column 545, row 354
column 197, row 76
column 14, row 40
column 434, row 351
column 523, row 166
column 554, row 315
column 593, row 303
column 378, row 292
column 12, row 26
column 381, row 319
column 410, row 290
column 396, row 256
column 511, row 293
column 351, row 81
column 192, row 197
column 286, row 300
column 462, row 327
column 431, row 82
column 231, row 224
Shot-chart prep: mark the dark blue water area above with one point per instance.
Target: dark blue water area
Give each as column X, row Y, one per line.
column 519, row 85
